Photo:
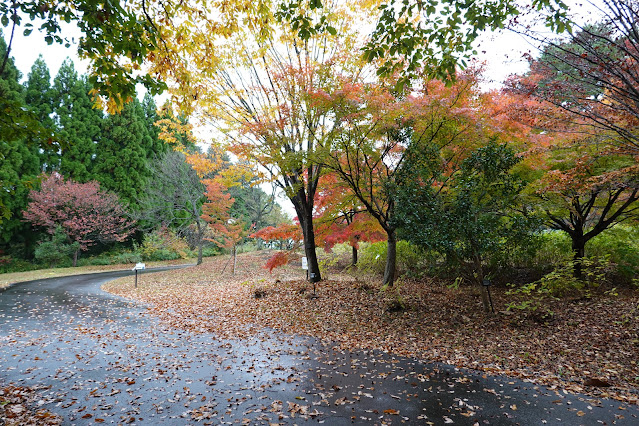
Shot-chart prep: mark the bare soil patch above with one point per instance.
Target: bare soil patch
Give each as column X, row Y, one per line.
column 588, row 344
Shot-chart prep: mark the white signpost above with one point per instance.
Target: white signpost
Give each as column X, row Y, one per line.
column 305, row 263
column 138, row 266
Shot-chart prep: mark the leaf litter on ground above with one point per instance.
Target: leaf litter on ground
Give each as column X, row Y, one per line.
column 588, row 341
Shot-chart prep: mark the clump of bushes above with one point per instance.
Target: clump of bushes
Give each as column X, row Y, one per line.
column 372, row 257
column 535, row 297
column 56, row 249
column 163, row 244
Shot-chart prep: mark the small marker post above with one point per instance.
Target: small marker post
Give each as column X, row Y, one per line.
column 136, row 268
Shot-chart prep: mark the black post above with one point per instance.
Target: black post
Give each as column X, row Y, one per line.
column 486, row 284
column 136, row 277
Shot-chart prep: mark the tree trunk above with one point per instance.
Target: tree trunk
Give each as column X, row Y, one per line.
column 479, row 278
column 234, row 257
column 309, row 249
column 354, row 256
column 391, row 258
column 200, row 242
column 75, row 257
column 579, row 251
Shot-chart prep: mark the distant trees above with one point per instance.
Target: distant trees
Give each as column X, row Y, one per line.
column 173, row 197
column 124, row 150
column 19, row 162
column 77, row 122
column 590, row 77
column 73, row 139
column 86, row 214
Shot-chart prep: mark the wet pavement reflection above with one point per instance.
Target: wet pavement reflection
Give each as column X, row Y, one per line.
column 95, row 357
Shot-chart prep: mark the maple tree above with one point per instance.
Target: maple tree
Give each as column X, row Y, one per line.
column 584, row 188
column 368, row 149
column 86, row 214
column 579, row 100
column 254, row 93
column 590, row 77
column 227, row 231
column 289, row 237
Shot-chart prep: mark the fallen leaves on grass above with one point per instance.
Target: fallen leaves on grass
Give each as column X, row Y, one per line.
column 587, row 338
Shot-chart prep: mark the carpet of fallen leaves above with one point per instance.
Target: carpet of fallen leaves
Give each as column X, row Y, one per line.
column 16, row 408
column 588, row 342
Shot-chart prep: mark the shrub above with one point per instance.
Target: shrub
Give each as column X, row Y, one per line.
column 10, row 264
column 56, row 249
column 552, row 249
column 621, row 243
column 372, row 257
column 163, row 244
column 561, row 283
column 211, row 250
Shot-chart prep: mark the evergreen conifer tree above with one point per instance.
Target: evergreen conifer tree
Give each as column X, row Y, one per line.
column 78, row 121
column 149, row 108
column 121, row 162
column 39, row 99
column 19, row 165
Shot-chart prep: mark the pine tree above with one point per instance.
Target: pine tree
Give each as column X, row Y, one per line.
column 78, row 121
column 19, row 164
column 39, row 99
column 121, row 161
column 149, row 108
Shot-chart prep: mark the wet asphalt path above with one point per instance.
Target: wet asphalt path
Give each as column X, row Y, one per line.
column 98, row 358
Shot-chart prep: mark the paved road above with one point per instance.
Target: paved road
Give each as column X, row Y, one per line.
column 99, row 358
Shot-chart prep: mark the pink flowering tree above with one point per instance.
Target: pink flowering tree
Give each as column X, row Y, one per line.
column 86, row 214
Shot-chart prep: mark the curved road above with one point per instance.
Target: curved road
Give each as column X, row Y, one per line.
column 95, row 357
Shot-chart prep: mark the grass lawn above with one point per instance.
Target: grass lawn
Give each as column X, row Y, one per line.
column 586, row 341
column 18, row 277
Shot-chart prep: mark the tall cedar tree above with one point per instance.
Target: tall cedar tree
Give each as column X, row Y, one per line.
column 121, row 161
column 19, row 165
column 39, row 100
column 78, row 122
column 151, row 117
